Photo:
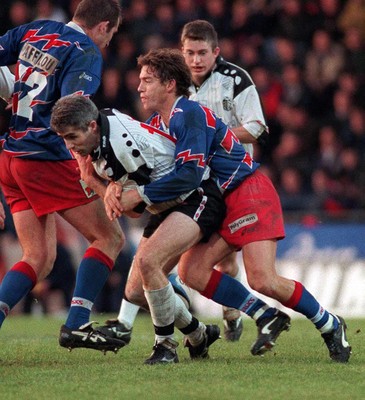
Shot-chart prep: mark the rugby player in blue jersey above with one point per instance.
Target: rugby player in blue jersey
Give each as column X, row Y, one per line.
column 253, row 223
column 38, row 174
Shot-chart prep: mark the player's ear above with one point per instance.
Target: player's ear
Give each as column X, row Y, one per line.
column 93, row 125
column 171, row 85
column 103, row 27
column 216, row 51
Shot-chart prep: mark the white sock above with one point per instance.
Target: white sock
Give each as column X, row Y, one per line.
column 197, row 336
column 127, row 313
column 183, row 316
column 162, row 307
column 328, row 326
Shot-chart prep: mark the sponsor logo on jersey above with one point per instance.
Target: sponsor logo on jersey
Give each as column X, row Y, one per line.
column 176, row 110
column 38, row 58
column 242, row 221
column 84, row 75
column 88, row 191
column 227, row 104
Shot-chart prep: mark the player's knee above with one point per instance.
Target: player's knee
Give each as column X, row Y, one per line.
column 261, row 285
column 228, row 265
column 187, row 277
column 113, row 242
column 42, row 262
column 146, row 263
column 134, row 296
column 118, row 238
column 228, row 268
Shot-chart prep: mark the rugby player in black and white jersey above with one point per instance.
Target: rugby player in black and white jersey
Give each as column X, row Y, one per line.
column 129, row 154
column 229, row 91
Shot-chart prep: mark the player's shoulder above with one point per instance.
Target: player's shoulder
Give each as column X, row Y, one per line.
column 36, row 29
column 188, row 113
column 184, row 105
column 185, row 108
column 44, row 26
column 239, row 75
column 54, row 35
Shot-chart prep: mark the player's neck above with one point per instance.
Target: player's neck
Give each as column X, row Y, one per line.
column 167, row 109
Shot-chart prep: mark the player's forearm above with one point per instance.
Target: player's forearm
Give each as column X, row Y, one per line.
column 243, row 135
column 97, row 185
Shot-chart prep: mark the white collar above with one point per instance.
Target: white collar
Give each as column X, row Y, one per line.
column 78, row 28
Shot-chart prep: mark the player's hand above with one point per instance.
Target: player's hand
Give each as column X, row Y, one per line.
column 130, row 200
column 112, row 201
column 86, row 169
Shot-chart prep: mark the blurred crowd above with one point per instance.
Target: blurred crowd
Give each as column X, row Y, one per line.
column 306, row 57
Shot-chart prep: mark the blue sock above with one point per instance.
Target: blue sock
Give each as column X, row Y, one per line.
column 90, row 279
column 230, row 293
column 17, row 282
column 303, row 302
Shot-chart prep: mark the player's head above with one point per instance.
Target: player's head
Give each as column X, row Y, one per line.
column 199, row 43
column 74, row 118
column 100, row 19
column 163, row 74
column 200, row 30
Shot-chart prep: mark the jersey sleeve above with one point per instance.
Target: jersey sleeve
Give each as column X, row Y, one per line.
column 82, row 73
column 190, row 159
column 6, row 83
column 249, row 111
column 9, row 45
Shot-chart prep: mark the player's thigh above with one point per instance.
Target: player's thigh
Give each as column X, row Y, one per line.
column 228, row 264
column 259, row 260
column 92, row 222
column 37, row 236
column 196, row 264
column 176, row 234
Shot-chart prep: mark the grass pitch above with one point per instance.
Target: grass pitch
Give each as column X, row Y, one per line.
column 34, row 366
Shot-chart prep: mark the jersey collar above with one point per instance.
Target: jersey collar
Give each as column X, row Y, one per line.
column 78, row 28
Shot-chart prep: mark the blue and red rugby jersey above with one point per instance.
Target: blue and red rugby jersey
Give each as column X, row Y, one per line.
column 202, row 140
column 52, row 60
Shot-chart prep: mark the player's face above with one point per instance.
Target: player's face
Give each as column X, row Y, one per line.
column 151, row 91
column 200, row 58
column 80, row 141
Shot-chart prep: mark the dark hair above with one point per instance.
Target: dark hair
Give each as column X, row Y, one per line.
column 167, row 65
column 73, row 111
column 92, row 12
column 200, row 30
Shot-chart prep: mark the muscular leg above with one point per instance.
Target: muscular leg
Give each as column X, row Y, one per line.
column 196, row 269
column 259, row 259
column 231, row 317
column 175, row 235
column 37, row 237
column 106, row 240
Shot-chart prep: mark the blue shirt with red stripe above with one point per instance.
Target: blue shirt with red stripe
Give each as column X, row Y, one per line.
column 52, row 60
column 202, row 139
